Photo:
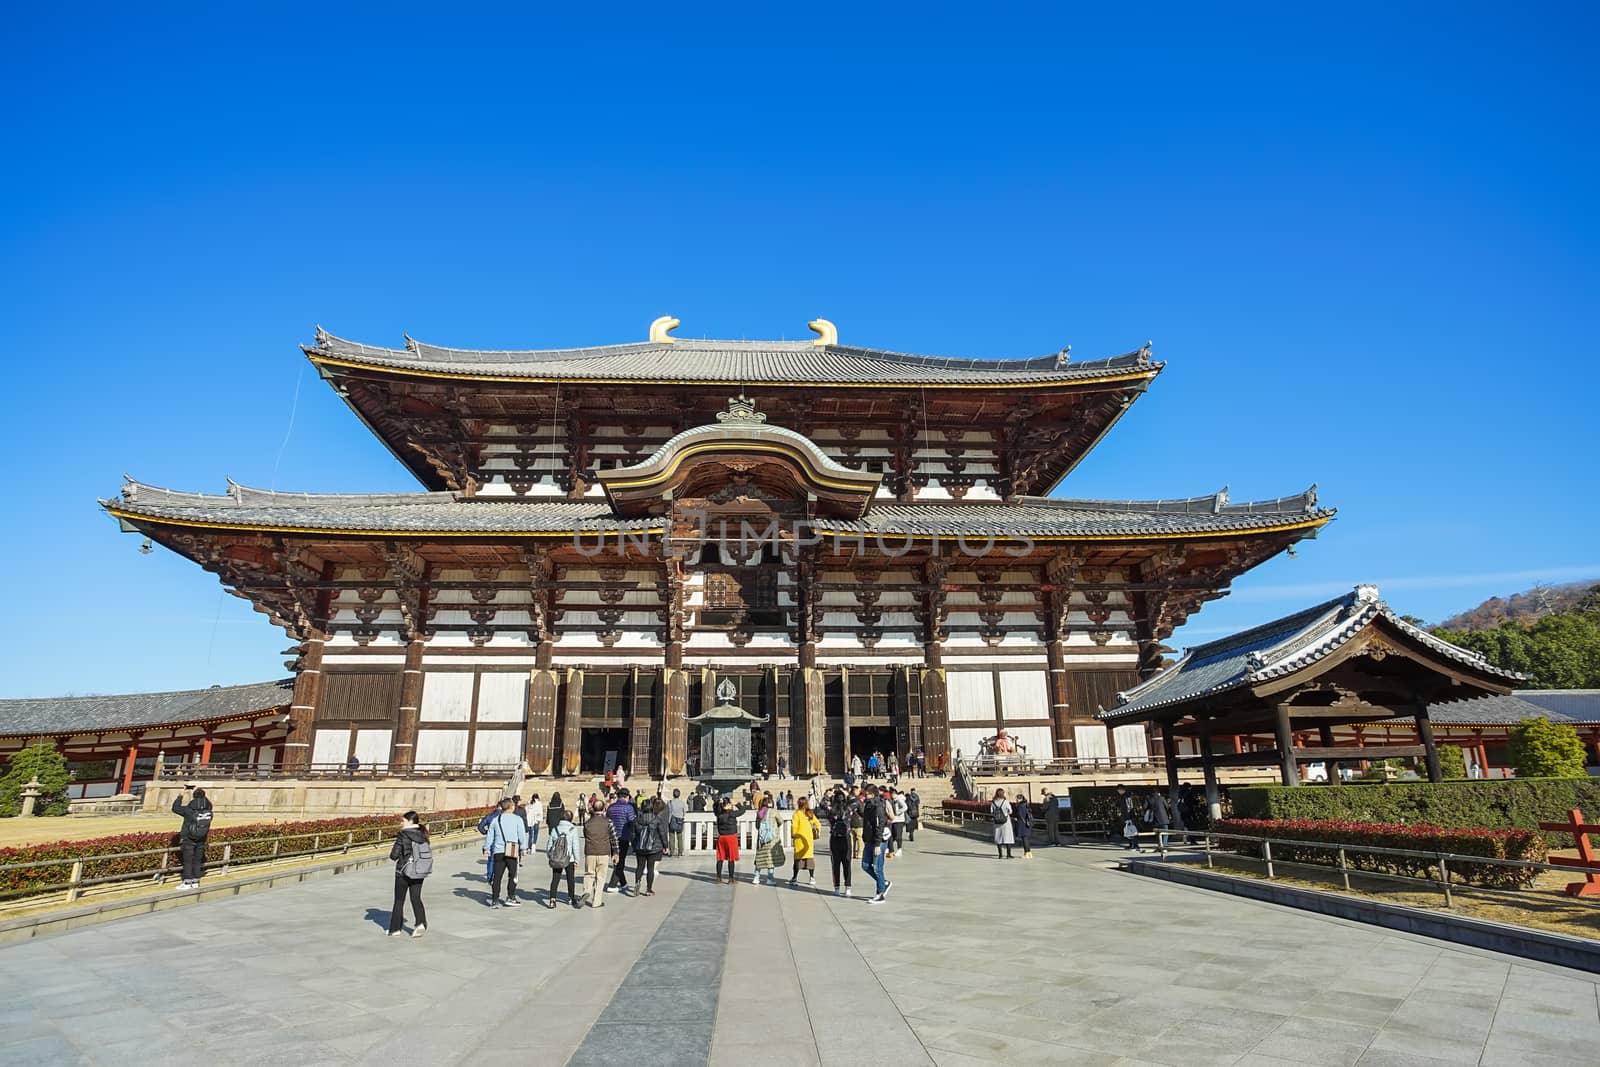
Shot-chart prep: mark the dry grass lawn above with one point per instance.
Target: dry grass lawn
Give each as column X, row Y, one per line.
column 1543, row 906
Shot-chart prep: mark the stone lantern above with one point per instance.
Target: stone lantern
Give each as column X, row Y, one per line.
column 725, row 740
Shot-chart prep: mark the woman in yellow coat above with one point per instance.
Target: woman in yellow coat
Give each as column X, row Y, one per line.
column 803, row 831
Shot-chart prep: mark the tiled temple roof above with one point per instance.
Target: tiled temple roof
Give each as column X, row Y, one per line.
column 62, row 715
column 1278, row 648
column 1492, row 710
column 735, row 362
column 452, row 513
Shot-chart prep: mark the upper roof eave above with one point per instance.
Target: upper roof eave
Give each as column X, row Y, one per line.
column 691, row 361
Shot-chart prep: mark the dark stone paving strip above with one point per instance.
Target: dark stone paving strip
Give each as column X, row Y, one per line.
column 666, row 1008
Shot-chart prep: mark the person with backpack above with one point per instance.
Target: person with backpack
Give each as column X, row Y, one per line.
column 1004, row 836
column 768, row 850
column 913, row 814
column 622, row 814
column 840, row 810
column 676, row 811
column 505, row 843
column 564, row 852
column 649, row 841
column 192, row 836
column 599, row 850
column 413, row 856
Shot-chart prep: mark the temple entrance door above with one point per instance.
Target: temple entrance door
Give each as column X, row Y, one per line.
column 759, row 765
column 597, row 741
column 865, row 740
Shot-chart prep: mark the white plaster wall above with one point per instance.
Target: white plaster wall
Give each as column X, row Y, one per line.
column 441, row 746
column 970, row 696
column 446, row 696
column 503, row 697
column 1023, row 695
column 373, row 746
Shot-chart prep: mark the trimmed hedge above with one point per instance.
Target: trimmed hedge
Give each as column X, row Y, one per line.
column 1490, row 803
column 250, row 843
column 1497, row 844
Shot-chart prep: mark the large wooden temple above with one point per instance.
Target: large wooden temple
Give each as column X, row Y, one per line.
column 861, row 540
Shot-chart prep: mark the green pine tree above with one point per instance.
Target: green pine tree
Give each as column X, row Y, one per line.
column 40, row 761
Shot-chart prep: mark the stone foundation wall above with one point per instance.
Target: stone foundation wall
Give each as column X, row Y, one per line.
column 295, row 796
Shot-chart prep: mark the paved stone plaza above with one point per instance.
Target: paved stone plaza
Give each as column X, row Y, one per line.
column 1054, row 960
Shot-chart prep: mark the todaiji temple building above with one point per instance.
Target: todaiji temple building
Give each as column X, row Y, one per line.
column 862, row 541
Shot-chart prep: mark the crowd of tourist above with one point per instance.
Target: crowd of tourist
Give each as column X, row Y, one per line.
column 867, row 824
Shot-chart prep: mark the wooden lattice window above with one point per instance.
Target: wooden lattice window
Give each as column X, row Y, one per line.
column 362, row 696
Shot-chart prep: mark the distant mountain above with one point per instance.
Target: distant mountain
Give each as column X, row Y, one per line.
column 1525, row 607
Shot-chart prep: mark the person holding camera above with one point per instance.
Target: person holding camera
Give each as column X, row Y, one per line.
column 196, row 812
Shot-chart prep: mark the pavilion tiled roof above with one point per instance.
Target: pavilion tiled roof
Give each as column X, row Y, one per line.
column 442, row 513
column 91, row 714
column 1578, row 705
column 735, row 362
column 1492, row 710
column 1277, row 648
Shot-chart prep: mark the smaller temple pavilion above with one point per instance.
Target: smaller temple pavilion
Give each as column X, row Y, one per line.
column 111, row 743
column 1350, row 662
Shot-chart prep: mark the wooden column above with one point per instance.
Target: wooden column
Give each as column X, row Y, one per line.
column 1208, row 765
column 1065, row 746
column 844, row 701
column 1169, row 749
column 1325, row 736
column 127, row 771
column 572, row 735
column 675, row 727
column 1430, row 752
column 544, row 691
column 205, row 752
column 303, row 711
column 1286, row 760
column 403, row 753
column 935, row 698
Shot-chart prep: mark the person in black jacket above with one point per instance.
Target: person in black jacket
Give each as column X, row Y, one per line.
column 913, row 813
column 875, row 841
column 412, row 833
column 839, row 810
column 192, row 837
column 728, row 835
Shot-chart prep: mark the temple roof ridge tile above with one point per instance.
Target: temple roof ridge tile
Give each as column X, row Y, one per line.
column 1217, row 503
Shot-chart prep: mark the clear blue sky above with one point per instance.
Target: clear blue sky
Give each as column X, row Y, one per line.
column 1363, row 240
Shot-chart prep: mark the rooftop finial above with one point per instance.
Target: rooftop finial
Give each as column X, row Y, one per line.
column 660, row 328
column 827, row 333
column 1367, row 593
